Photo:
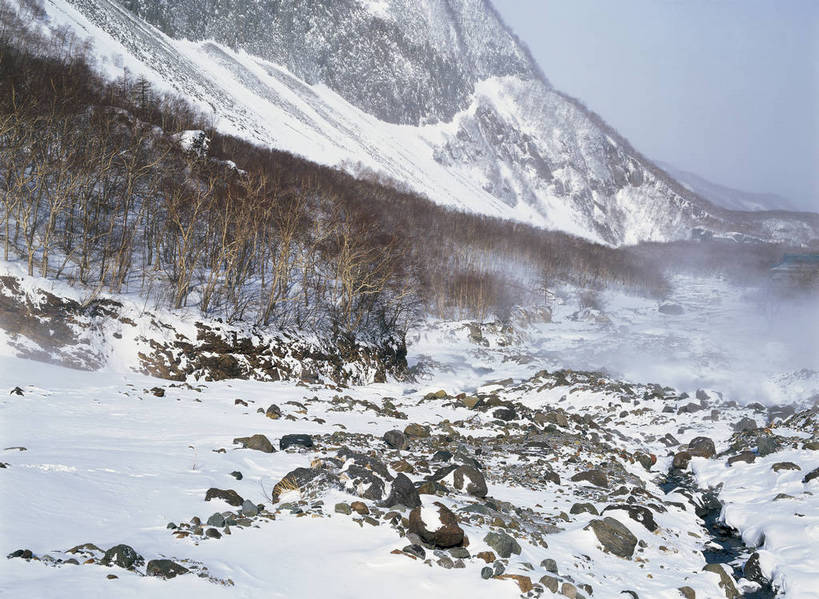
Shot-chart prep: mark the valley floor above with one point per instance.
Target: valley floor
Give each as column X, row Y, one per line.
column 112, row 457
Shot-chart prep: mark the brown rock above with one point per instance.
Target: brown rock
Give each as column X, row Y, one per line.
column 444, row 533
column 416, row 430
column 595, row 477
column 360, row 507
column 681, row 460
column 524, row 582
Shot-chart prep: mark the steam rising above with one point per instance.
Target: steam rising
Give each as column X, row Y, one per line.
column 751, row 344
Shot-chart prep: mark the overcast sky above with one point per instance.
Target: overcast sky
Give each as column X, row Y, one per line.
column 727, row 89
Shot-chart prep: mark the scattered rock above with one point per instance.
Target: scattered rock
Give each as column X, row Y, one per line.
column 359, row 507
column 702, row 447
column 229, row 496
column 415, row 550
column 343, row 508
column 469, row 402
column 550, row 582
column 688, row 592
column 646, row 460
column 396, row 440
column 614, row 536
column 753, row 571
column 441, row 530
column 524, row 582
column 17, row 391
column 502, row 543
column 364, row 482
column 726, row 581
column 158, row 392
column 295, row 441
column 767, row 445
column 417, row 431
column 273, row 412
column 745, row 424
column 403, row 492
column 638, row 513
column 681, row 460
column 164, row 568
column 469, row 479
column 216, row 519
column 303, row 480
column 505, row 414
column 551, row 477
column 813, row 474
column 249, row 508
column 258, row 442
column 442, row 455
column 785, row 466
column 671, row 308
column 749, row 457
column 595, row 477
column 123, row 556
column 549, row 565
column 581, row 508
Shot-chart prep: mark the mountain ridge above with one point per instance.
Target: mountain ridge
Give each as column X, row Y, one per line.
column 513, row 146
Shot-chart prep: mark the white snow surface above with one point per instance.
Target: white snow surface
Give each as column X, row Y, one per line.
column 107, row 462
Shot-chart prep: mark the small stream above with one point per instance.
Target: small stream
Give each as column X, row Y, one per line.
column 732, row 551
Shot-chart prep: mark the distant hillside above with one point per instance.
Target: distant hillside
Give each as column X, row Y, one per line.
column 728, row 197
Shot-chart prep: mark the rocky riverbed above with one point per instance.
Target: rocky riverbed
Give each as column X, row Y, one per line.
column 489, row 473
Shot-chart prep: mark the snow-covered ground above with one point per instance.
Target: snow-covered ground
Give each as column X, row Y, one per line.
column 742, row 341
column 109, row 461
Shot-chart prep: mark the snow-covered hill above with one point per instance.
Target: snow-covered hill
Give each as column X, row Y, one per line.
column 727, row 197
column 436, row 96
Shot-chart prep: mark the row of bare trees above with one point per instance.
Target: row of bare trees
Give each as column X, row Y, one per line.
column 96, row 188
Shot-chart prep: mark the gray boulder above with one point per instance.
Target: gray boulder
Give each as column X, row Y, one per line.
column 403, row 492
column 503, row 544
column 123, row 556
column 702, row 447
column 596, row 477
column 165, row 568
column 396, row 440
column 614, row 536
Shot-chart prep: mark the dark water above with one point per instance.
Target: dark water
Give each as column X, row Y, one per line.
column 733, row 552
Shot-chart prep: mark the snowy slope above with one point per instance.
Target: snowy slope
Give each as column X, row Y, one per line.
column 727, row 197
column 436, row 96
column 99, row 457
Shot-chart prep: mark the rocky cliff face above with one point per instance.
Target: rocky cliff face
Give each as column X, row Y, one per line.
column 436, row 95
column 404, row 61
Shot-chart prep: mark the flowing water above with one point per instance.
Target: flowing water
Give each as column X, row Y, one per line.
column 727, row 546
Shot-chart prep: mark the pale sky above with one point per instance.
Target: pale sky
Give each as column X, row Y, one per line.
column 727, row 89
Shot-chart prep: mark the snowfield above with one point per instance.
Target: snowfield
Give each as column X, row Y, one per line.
column 113, row 457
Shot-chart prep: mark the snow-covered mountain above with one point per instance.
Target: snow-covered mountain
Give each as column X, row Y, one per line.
column 436, row 95
column 727, row 197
